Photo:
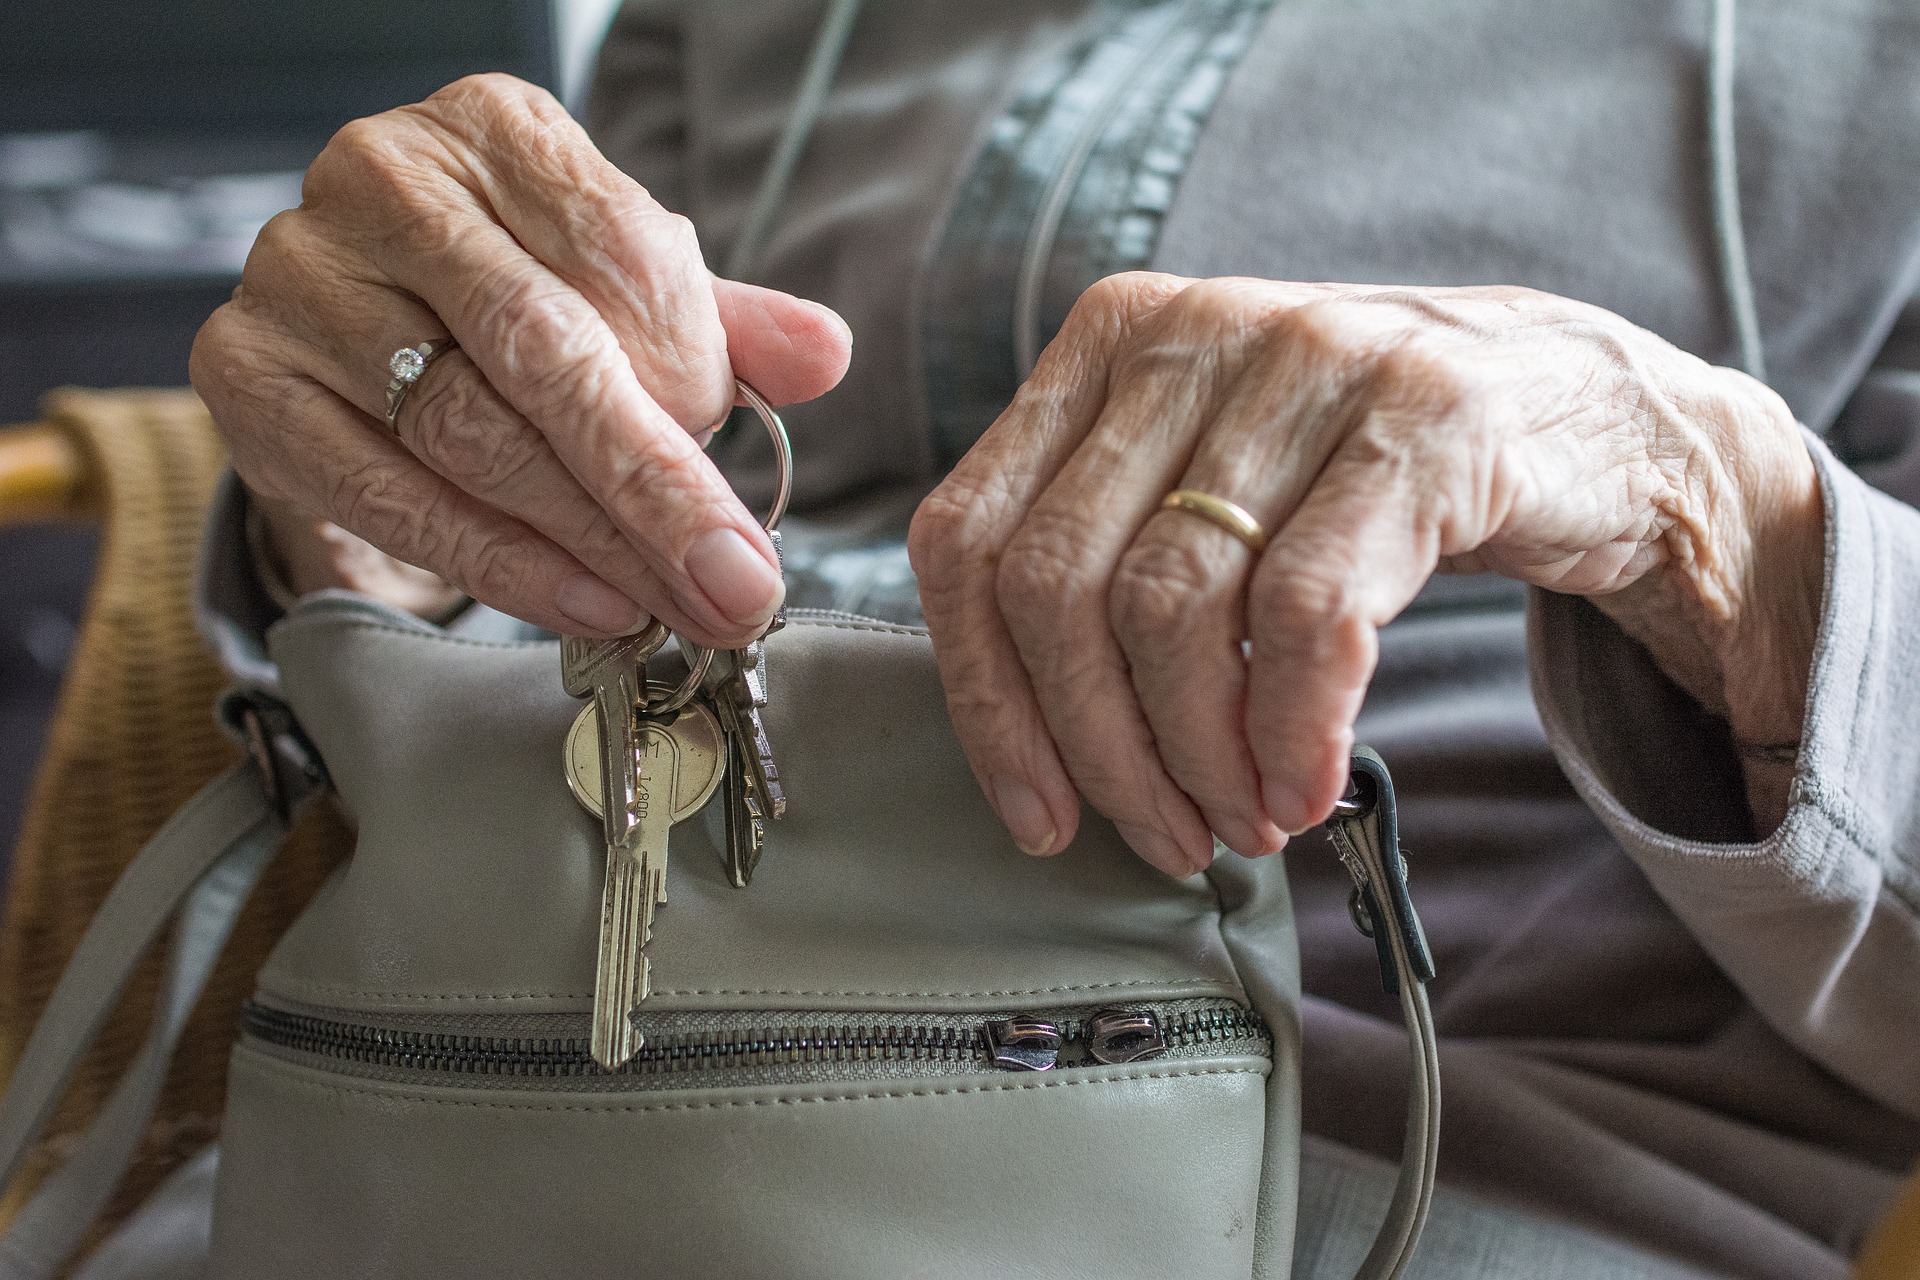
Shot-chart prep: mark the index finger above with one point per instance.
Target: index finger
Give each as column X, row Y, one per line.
column 956, row 543
column 549, row 352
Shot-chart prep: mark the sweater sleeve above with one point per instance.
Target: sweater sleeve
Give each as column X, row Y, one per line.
column 1819, row 923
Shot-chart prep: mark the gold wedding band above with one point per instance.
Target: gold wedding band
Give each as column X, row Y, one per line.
column 1230, row 516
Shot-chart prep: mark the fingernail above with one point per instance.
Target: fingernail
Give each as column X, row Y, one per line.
column 1159, row 849
column 1025, row 814
column 1288, row 807
column 735, row 576
column 598, row 607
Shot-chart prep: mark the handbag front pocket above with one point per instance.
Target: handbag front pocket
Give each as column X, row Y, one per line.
column 739, row 1145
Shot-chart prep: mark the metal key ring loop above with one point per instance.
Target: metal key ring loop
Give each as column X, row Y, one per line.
column 782, row 453
column 700, row 658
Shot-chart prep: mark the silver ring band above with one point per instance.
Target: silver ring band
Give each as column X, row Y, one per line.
column 405, row 367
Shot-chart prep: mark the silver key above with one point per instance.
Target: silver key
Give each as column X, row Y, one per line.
column 636, row 881
column 580, row 659
column 614, row 673
column 746, row 692
column 746, row 825
column 754, row 793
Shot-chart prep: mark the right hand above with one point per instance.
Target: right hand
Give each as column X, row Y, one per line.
column 549, row 466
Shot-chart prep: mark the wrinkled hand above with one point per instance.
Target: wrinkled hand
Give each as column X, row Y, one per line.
column 1150, row 662
column 548, row 467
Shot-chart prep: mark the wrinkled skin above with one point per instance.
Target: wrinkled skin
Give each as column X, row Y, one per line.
column 550, row 466
column 1092, row 643
column 1092, row 646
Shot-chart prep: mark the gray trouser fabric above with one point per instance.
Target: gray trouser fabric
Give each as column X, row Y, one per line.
column 1343, row 1194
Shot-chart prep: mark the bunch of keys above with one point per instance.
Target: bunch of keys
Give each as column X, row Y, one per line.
column 642, row 756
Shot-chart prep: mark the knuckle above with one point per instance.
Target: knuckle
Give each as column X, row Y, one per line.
column 464, row 431
column 231, row 358
column 279, row 241
column 654, row 237
column 1153, row 606
column 369, row 501
column 1411, row 371
column 386, row 179
column 489, row 90
column 1117, row 300
column 659, row 489
column 1041, row 574
column 358, row 160
column 537, row 335
column 1106, row 294
column 1330, row 330
column 479, row 560
column 215, row 346
column 294, row 269
column 1303, row 613
column 943, row 540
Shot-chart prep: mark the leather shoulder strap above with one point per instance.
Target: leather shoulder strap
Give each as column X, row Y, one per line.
column 204, row 862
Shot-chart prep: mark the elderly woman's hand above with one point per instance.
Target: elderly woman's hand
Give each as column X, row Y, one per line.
column 548, row 466
column 1150, row 661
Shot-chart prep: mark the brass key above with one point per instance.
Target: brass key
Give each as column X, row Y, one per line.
column 703, row 755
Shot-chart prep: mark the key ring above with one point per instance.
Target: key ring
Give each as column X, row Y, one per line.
column 700, row 658
column 782, row 454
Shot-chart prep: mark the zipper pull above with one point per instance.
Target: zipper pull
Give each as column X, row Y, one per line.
column 1115, row 1036
column 1024, row 1043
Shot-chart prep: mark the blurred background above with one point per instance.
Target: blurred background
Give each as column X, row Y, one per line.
column 142, row 145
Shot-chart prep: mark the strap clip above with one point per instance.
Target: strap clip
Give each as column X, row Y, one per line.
column 1366, row 833
column 289, row 766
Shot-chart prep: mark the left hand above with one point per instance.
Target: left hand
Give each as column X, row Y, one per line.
column 1092, row 644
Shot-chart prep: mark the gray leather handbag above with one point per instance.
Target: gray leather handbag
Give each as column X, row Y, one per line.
column 904, row 1050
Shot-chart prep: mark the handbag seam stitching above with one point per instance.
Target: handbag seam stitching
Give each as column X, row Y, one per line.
column 880, row 1095
column 290, row 986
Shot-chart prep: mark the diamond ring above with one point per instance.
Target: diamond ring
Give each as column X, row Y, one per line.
column 406, row 365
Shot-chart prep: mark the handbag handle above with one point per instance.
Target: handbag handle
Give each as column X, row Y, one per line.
column 1366, row 834
column 205, row 861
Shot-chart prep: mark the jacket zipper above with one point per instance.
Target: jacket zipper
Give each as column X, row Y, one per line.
column 1022, row 1042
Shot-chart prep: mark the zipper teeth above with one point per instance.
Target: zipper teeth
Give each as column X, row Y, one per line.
column 958, row 1043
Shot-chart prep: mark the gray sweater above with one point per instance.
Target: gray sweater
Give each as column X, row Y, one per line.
column 1654, row 1029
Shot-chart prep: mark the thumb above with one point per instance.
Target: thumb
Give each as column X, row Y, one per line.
column 788, row 348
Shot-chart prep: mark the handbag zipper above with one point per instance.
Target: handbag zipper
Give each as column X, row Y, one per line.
column 769, row 1048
